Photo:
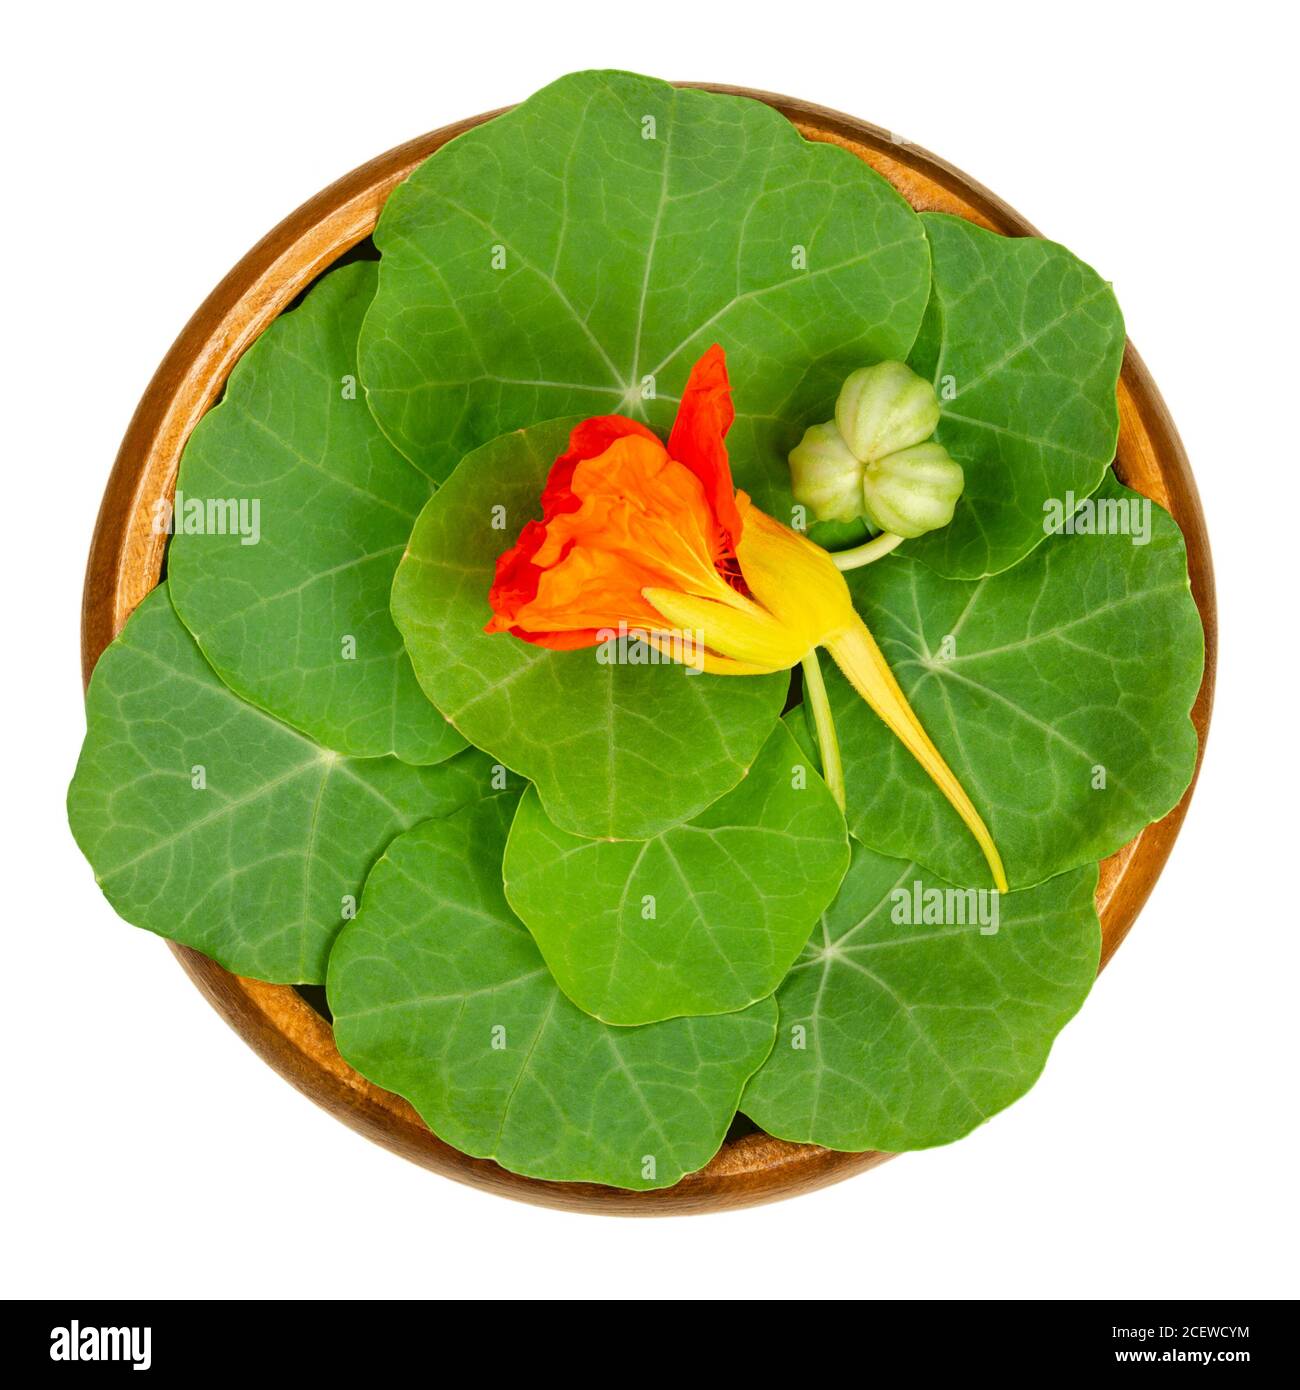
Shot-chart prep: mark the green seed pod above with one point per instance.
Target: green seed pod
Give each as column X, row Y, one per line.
column 913, row 490
column 885, row 408
column 824, row 475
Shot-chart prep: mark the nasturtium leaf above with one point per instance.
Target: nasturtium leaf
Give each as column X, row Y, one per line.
column 615, row 749
column 439, row 993
column 1023, row 343
column 210, row 822
column 1059, row 692
column 918, row 1009
column 293, row 614
column 704, row 917
column 575, row 256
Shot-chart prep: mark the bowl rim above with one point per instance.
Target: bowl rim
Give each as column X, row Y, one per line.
column 126, row 561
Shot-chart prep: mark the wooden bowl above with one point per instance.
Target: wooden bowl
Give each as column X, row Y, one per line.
column 126, row 560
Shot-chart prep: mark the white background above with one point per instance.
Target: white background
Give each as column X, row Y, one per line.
column 148, row 1152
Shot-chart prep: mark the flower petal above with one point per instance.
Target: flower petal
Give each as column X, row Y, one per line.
column 703, row 419
column 633, row 518
column 517, row 577
column 754, row 640
column 621, row 514
column 795, row 580
column 589, row 440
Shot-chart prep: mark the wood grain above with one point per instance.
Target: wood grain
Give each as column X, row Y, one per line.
column 126, row 560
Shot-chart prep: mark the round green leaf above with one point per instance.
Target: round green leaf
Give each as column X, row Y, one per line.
column 702, row 918
column 1023, row 343
column 213, row 824
column 1059, row 692
column 575, row 256
column 918, row 1010
column 438, row 993
column 297, row 621
column 614, row 749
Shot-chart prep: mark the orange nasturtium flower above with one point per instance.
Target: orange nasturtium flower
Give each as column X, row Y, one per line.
column 657, row 541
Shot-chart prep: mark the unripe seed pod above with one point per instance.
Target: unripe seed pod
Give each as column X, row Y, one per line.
column 912, row 491
column 885, row 408
column 824, row 475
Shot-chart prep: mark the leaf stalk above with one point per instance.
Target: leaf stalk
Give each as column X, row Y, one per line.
column 867, row 553
column 827, row 740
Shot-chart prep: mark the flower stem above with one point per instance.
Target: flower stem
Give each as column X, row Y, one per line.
column 814, row 689
column 868, row 552
column 857, row 655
